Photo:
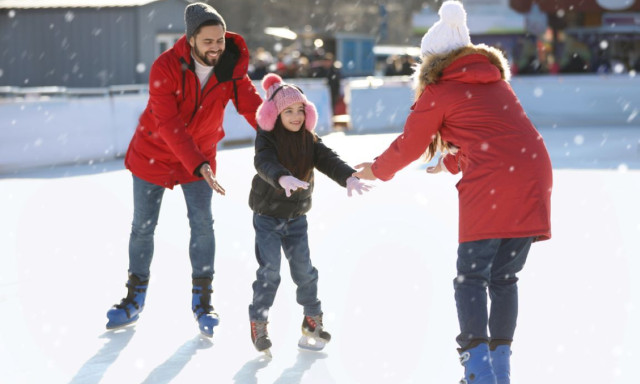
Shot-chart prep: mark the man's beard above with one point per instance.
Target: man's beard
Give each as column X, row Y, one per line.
column 204, row 58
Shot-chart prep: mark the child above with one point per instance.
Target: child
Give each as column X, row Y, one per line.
column 286, row 152
column 465, row 106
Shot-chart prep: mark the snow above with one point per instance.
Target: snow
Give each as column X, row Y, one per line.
column 386, row 261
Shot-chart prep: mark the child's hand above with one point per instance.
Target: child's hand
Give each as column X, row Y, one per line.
column 354, row 184
column 290, row 184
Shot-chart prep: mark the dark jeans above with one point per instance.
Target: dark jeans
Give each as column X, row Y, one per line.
column 491, row 264
column 147, row 198
column 272, row 234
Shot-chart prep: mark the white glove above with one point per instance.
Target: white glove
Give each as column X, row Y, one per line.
column 290, row 184
column 354, row 184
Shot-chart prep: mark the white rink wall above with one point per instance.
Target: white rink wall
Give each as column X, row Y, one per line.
column 379, row 104
column 38, row 131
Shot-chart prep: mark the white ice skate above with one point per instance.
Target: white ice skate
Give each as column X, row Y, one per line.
column 314, row 337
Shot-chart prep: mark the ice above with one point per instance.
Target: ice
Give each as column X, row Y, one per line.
column 64, row 238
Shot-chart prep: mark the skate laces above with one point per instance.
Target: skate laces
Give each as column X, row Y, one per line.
column 313, row 322
column 204, row 307
column 133, row 291
column 464, row 357
column 259, row 329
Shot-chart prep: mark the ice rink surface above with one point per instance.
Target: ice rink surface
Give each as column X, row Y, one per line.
column 386, row 261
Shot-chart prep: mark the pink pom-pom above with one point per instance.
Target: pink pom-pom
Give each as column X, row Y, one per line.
column 269, row 80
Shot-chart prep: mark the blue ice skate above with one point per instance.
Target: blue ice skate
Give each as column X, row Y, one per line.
column 128, row 311
column 477, row 365
column 202, row 308
column 500, row 360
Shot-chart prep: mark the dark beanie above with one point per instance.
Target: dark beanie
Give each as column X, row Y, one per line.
column 197, row 13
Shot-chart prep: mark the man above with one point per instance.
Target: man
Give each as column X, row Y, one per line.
column 175, row 143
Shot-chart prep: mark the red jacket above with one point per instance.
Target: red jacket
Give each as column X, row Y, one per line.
column 505, row 188
column 182, row 124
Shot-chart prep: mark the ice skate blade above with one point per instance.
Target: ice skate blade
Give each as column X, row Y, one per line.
column 311, row 343
column 267, row 353
column 112, row 327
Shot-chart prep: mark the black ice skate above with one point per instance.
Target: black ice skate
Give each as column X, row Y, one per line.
column 260, row 337
column 314, row 337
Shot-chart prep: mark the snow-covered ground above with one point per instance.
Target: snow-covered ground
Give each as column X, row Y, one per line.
column 386, row 262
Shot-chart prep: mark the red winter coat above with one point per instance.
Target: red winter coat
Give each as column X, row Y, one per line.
column 505, row 188
column 182, row 124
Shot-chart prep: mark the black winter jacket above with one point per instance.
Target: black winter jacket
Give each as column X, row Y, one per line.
column 267, row 197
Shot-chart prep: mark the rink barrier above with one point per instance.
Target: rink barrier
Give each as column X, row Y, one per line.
column 48, row 126
column 382, row 104
column 55, row 125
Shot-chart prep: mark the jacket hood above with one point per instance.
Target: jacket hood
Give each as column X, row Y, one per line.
column 233, row 64
column 471, row 64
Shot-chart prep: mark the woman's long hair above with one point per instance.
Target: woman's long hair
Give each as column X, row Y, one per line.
column 295, row 149
column 421, row 80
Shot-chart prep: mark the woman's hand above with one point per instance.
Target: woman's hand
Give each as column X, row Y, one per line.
column 438, row 167
column 366, row 173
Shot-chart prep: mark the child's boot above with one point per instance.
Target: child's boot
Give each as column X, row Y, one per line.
column 260, row 336
column 477, row 365
column 314, row 337
column 127, row 312
column 201, row 306
column 500, row 360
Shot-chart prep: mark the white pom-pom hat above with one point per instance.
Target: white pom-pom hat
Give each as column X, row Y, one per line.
column 280, row 95
column 448, row 33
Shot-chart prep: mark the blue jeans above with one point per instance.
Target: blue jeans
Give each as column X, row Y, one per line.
column 147, row 198
column 272, row 234
column 491, row 264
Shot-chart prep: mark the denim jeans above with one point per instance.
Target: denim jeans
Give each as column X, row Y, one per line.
column 491, row 264
column 147, row 198
column 272, row 234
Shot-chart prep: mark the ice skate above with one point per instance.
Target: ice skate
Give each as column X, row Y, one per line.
column 202, row 308
column 260, row 337
column 128, row 311
column 314, row 337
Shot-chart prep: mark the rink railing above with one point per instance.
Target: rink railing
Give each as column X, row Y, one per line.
column 56, row 125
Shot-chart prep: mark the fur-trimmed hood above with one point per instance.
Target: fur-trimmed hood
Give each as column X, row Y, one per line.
column 433, row 67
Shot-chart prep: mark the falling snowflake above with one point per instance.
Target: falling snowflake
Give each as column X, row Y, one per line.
column 69, row 16
column 578, row 140
column 537, row 92
column 604, row 44
column 141, row 67
column 11, row 14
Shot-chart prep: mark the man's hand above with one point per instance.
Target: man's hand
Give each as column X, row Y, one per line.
column 207, row 173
